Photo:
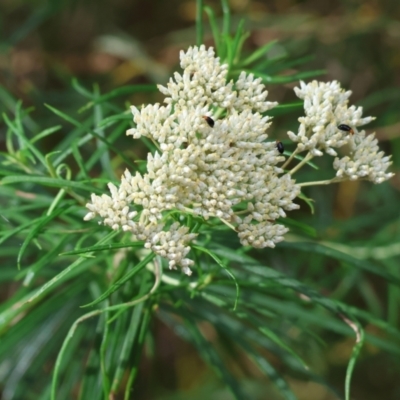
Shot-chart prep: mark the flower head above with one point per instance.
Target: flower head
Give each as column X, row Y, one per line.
column 364, row 161
column 204, row 83
column 226, row 170
column 326, row 107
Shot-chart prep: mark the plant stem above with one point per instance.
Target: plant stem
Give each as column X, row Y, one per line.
column 305, row 160
column 287, row 162
column 325, row 182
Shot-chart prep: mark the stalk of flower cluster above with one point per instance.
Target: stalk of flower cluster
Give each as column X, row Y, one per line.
column 323, row 182
column 303, row 162
column 290, row 158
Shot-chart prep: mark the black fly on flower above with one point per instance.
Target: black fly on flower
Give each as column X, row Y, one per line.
column 209, row 121
column 280, row 147
column 346, row 128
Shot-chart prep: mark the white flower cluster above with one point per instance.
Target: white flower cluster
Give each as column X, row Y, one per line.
column 213, row 161
column 203, row 83
column 327, row 111
column 326, row 107
column 364, row 161
column 172, row 244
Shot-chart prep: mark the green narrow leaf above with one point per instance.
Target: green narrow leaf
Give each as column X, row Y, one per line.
column 122, row 91
column 257, row 54
column 109, row 146
column 214, row 28
column 127, row 346
column 228, row 42
column 58, row 278
column 226, row 18
column 62, row 353
column 139, row 346
column 222, row 265
column 269, row 63
column 308, row 201
column 276, row 339
column 105, row 156
column 52, row 182
column 237, row 40
column 286, row 78
column 115, row 286
column 103, row 247
column 107, row 122
column 199, row 23
column 207, row 352
column 315, row 247
column 64, row 116
column 103, row 353
column 282, row 109
column 79, row 160
column 89, row 388
column 266, row 367
column 44, row 261
column 393, row 295
column 17, row 129
column 284, row 65
column 45, row 133
column 304, row 228
column 81, row 89
column 7, row 99
column 310, row 163
column 231, row 326
column 359, row 331
column 18, row 229
column 41, row 222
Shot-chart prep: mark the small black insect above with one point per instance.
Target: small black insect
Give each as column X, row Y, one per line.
column 209, row 121
column 279, row 146
column 346, row 128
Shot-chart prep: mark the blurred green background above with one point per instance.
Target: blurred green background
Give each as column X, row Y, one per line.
column 44, row 44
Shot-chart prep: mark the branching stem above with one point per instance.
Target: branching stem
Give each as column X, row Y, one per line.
column 305, row 160
column 288, row 161
column 325, row 182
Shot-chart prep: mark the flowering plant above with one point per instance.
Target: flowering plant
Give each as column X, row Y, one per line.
column 214, row 159
column 213, row 198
